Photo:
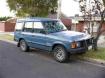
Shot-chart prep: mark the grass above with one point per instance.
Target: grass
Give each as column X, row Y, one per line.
column 6, row 37
column 100, row 54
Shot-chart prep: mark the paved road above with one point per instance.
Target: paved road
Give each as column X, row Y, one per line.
column 36, row 64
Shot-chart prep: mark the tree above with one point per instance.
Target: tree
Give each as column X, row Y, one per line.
column 32, row 7
column 100, row 6
column 90, row 9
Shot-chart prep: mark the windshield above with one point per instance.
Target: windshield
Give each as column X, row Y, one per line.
column 54, row 26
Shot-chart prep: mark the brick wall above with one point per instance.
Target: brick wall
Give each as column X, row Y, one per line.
column 67, row 22
column 2, row 26
column 80, row 26
column 7, row 26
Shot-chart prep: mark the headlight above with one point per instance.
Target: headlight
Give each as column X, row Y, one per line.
column 75, row 44
column 78, row 44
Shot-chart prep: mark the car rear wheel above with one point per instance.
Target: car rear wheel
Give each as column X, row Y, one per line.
column 60, row 54
column 23, row 45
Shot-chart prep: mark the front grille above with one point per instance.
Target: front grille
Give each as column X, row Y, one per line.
column 85, row 43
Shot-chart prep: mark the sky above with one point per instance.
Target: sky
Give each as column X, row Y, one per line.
column 4, row 9
column 69, row 8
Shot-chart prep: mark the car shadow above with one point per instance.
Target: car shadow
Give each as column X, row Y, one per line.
column 49, row 55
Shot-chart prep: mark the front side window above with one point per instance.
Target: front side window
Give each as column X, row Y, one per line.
column 28, row 27
column 38, row 27
column 54, row 26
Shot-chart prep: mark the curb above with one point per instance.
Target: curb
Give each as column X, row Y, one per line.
column 13, row 42
column 96, row 61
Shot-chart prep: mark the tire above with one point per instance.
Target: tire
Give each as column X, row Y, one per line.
column 60, row 54
column 23, row 45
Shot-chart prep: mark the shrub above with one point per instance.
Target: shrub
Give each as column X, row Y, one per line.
column 4, row 18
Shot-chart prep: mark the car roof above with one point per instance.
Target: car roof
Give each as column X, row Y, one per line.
column 37, row 19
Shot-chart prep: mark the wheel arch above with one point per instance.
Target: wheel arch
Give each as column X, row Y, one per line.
column 18, row 44
column 58, row 44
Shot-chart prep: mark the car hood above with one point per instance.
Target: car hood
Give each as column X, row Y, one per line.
column 70, row 35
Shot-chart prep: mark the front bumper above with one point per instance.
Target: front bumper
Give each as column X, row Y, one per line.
column 77, row 50
column 84, row 46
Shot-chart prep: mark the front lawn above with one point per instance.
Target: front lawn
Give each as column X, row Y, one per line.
column 100, row 54
column 6, row 37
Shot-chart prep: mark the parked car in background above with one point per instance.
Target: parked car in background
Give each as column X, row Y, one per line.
column 51, row 35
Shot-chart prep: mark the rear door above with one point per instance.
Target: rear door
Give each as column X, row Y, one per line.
column 27, row 32
column 38, row 37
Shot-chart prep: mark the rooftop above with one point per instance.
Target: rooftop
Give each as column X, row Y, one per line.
column 29, row 19
column 81, row 18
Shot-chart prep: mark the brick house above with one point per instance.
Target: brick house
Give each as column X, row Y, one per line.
column 82, row 25
column 67, row 22
column 7, row 26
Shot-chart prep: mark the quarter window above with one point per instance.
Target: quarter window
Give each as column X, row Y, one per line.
column 19, row 26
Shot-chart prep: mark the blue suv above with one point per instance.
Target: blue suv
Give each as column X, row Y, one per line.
column 51, row 35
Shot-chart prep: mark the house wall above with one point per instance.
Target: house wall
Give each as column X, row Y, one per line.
column 9, row 27
column 80, row 26
column 67, row 22
column 2, row 26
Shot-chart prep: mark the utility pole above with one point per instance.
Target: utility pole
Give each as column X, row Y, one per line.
column 59, row 9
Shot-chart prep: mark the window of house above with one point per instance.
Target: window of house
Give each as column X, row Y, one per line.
column 28, row 27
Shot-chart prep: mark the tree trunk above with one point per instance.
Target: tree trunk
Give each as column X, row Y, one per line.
column 98, row 33
column 96, row 41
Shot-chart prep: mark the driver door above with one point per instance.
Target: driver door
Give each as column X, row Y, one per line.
column 38, row 36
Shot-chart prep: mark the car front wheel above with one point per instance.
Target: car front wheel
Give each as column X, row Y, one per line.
column 60, row 54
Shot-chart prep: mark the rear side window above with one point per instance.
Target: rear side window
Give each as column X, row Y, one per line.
column 19, row 26
column 28, row 27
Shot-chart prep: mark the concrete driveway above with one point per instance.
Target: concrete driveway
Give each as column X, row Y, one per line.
column 40, row 64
